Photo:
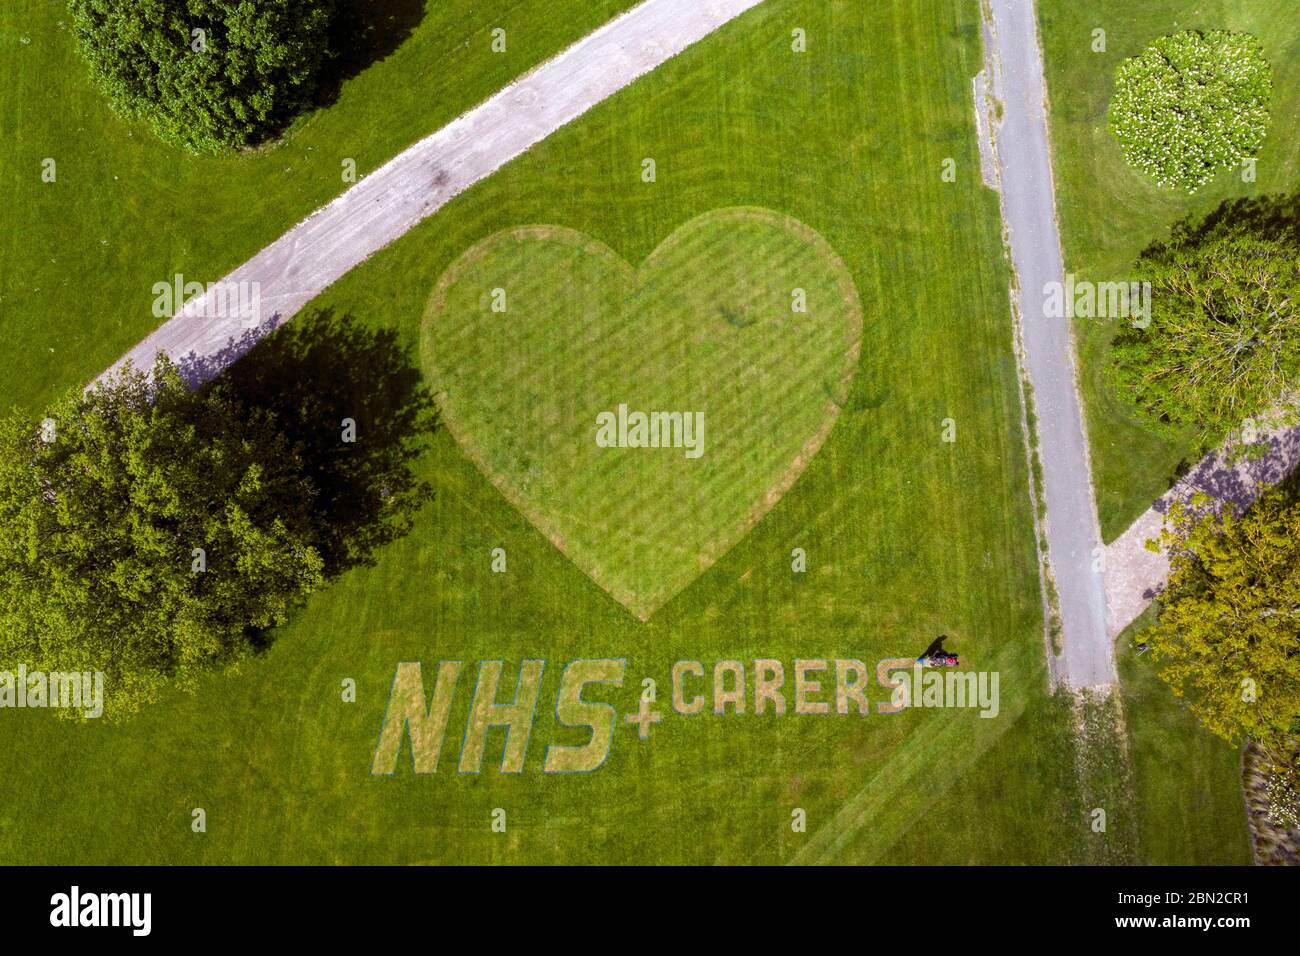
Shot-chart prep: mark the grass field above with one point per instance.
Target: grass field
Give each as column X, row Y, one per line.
column 907, row 536
column 81, row 254
column 705, row 330
column 1109, row 212
column 1186, row 781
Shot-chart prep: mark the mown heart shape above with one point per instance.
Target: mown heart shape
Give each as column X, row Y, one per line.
column 544, row 345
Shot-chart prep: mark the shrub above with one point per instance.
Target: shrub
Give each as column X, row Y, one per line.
column 1284, row 796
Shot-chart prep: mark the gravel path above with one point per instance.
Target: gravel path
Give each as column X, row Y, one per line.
column 418, row 182
column 1021, row 155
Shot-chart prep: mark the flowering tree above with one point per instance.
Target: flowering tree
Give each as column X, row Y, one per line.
column 1191, row 105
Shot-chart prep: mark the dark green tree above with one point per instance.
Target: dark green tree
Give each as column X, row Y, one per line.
column 207, row 74
column 1223, row 344
column 153, row 531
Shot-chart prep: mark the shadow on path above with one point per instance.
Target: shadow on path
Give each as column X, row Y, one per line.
column 1239, row 482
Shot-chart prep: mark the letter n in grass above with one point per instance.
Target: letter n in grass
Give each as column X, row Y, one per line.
column 407, row 711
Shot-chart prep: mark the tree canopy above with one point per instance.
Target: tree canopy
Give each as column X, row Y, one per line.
column 1191, row 105
column 1228, row 633
column 207, row 74
column 1223, row 344
column 153, row 532
column 150, row 533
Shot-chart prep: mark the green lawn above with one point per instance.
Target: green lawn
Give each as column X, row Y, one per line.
column 1109, row 212
column 907, row 536
column 1020, row 806
column 585, row 443
column 81, row 254
column 1186, row 781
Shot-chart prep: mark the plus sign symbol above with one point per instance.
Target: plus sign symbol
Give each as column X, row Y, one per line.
column 644, row 718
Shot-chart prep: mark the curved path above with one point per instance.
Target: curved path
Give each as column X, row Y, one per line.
column 383, row 206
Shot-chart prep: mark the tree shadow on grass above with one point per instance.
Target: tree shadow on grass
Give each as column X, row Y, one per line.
column 326, row 379
column 365, row 32
column 1275, row 217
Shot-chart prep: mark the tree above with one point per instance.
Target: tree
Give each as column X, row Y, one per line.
column 207, row 74
column 150, row 533
column 1190, row 105
column 154, row 532
column 312, row 376
column 1223, row 343
column 1228, row 632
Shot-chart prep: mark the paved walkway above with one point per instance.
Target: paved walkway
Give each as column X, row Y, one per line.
column 1022, row 162
column 390, row 201
column 1135, row 575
